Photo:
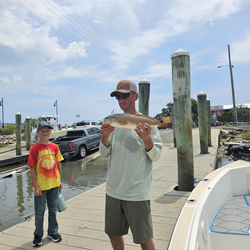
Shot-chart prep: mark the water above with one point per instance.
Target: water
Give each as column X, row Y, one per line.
column 16, row 192
column 222, row 161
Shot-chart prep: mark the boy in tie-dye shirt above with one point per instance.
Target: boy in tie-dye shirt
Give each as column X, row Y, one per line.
column 46, row 172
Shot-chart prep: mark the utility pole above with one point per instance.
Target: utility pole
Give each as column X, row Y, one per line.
column 232, row 84
column 1, row 104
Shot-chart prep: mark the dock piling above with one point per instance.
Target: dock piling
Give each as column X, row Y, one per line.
column 209, row 122
column 28, row 133
column 18, row 133
column 183, row 119
column 203, row 124
column 144, row 92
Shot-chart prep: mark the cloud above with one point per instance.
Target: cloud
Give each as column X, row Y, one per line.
column 71, row 72
column 23, row 37
column 211, row 66
column 180, row 17
column 240, row 50
column 159, row 71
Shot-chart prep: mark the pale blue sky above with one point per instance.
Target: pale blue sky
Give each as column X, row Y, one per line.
column 76, row 51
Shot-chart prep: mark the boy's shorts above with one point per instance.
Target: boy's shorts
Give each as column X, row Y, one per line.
column 120, row 215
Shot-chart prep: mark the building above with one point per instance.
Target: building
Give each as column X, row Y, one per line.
column 218, row 110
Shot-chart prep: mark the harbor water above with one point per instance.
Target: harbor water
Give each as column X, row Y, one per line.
column 16, row 192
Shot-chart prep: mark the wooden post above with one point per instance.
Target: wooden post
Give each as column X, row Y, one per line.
column 173, row 125
column 28, row 133
column 183, row 119
column 144, row 92
column 18, row 133
column 203, row 127
column 209, row 123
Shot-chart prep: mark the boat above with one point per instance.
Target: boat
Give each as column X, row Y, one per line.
column 216, row 215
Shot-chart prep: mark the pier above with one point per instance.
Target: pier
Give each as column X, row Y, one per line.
column 82, row 223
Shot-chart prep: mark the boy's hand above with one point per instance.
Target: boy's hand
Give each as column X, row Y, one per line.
column 60, row 188
column 37, row 191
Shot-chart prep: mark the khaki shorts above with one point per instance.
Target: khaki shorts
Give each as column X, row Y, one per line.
column 121, row 215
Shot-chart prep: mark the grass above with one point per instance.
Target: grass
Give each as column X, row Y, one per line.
column 2, row 145
column 246, row 135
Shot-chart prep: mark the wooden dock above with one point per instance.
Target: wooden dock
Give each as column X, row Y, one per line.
column 82, row 223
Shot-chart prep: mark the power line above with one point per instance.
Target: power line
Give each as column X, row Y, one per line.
column 108, row 62
column 93, row 57
column 95, row 39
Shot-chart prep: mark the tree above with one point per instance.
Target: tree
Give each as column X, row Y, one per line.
column 194, row 110
column 8, row 129
column 33, row 124
column 168, row 111
column 165, row 112
column 242, row 114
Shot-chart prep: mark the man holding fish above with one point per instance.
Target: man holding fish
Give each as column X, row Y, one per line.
column 133, row 142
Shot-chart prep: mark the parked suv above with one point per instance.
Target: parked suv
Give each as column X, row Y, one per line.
column 86, row 123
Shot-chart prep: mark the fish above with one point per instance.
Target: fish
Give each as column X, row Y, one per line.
column 128, row 121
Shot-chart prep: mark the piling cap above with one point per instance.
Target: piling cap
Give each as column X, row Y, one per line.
column 144, row 80
column 201, row 93
column 180, row 52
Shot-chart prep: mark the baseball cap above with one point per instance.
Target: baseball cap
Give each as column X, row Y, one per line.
column 43, row 124
column 124, row 86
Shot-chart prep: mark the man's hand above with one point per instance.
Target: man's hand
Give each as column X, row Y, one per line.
column 144, row 132
column 106, row 132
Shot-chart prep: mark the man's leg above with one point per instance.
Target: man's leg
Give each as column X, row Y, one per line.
column 117, row 242
column 148, row 245
column 140, row 221
column 116, row 224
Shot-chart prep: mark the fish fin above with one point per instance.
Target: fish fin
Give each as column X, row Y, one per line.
column 123, row 123
column 146, row 116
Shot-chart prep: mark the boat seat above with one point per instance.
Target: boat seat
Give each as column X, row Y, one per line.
column 233, row 217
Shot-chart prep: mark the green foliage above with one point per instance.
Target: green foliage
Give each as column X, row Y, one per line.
column 194, row 110
column 242, row 113
column 8, row 129
column 165, row 112
column 33, row 124
column 168, row 111
column 246, row 136
column 228, row 115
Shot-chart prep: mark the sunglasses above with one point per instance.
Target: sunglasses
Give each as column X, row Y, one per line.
column 124, row 95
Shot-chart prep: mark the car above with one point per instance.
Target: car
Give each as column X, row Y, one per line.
column 86, row 123
column 77, row 142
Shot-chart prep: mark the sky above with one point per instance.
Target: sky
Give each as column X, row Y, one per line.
column 75, row 52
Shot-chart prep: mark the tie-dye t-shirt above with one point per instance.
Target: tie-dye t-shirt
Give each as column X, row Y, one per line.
column 44, row 158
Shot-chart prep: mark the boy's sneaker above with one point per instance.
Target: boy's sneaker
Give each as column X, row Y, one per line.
column 55, row 237
column 37, row 241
